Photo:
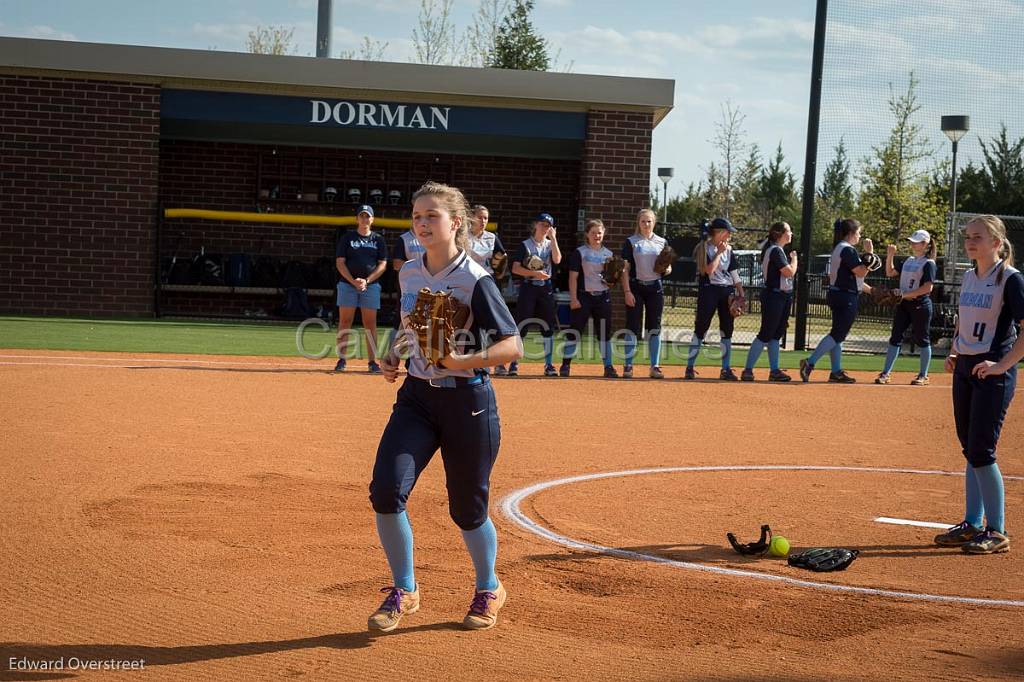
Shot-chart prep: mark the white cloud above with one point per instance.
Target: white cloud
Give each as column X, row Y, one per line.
column 38, row 31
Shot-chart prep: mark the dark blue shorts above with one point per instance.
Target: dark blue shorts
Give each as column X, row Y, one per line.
column 915, row 314
column 979, row 407
column 597, row 306
column 463, row 423
column 650, row 299
column 844, row 306
column 775, row 307
column 536, row 306
column 712, row 298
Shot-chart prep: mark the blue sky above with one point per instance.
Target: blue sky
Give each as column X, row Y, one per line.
column 757, row 55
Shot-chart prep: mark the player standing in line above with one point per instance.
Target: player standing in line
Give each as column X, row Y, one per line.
column 589, row 297
column 448, row 405
column 846, row 275
column 776, row 301
column 986, row 349
column 361, row 257
column 643, row 291
column 917, row 275
column 407, row 249
column 482, row 247
column 536, row 293
column 717, row 278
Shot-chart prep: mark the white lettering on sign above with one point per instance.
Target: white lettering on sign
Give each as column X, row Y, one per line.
column 370, row 114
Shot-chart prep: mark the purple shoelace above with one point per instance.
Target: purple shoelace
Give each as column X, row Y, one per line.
column 479, row 605
column 393, row 602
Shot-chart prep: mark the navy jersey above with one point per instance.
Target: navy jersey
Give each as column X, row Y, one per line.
column 840, row 268
column 489, row 317
column 589, row 263
column 725, row 274
column 915, row 271
column 771, row 266
column 641, row 253
column 361, row 254
column 408, row 247
column 989, row 311
column 542, row 250
column 483, row 247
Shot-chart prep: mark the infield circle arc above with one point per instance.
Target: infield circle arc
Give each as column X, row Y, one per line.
column 511, row 507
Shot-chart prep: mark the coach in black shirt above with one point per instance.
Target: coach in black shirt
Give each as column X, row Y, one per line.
column 361, row 256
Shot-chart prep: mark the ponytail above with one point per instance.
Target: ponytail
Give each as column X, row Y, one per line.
column 933, row 250
column 700, row 254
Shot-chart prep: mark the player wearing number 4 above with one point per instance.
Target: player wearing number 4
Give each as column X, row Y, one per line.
column 776, row 301
column 983, row 360
column 448, row 404
column 917, row 275
column 589, row 297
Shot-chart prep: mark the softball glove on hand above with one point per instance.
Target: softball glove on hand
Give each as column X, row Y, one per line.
column 612, row 271
column 499, row 263
column 737, row 305
column 434, row 320
column 883, row 295
column 824, row 558
column 533, row 262
column 665, row 260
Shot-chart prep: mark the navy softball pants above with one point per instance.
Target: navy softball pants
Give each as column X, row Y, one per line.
column 916, row 314
column 536, row 305
column 844, row 306
column 775, row 307
column 979, row 407
column 463, row 423
column 650, row 299
column 598, row 306
column 712, row 298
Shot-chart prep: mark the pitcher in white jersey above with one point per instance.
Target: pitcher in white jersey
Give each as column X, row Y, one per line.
column 987, row 346
column 914, row 311
column 448, row 405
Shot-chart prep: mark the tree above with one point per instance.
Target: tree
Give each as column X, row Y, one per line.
column 894, row 199
column 777, row 190
column 747, row 208
column 729, row 141
column 517, row 45
column 482, row 34
column 1004, row 166
column 271, row 40
column 836, row 192
column 369, row 50
column 433, row 37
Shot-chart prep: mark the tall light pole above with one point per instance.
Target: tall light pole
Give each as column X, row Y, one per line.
column 955, row 127
column 665, row 174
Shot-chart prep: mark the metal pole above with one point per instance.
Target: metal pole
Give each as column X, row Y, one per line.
column 810, row 173
column 664, row 203
column 323, row 28
column 952, row 198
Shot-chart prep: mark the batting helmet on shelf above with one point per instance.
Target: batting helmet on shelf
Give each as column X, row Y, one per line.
column 355, row 196
column 377, row 196
column 394, row 196
column 330, row 194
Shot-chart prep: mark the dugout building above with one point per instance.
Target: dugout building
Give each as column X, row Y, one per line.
column 100, row 144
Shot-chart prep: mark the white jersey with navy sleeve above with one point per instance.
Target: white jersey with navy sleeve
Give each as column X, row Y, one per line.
column 841, row 263
column 590, row 263
column 989, row 310
column 723, row 274
column 542, row 251
column 482, row 248
column 489, row 317
column 645, row 252
column 410, row 247
column 915, row 271
column 771, row 267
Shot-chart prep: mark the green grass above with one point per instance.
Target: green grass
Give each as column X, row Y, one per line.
column 246, row 338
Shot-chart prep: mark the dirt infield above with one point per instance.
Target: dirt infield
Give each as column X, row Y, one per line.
column 209, row 516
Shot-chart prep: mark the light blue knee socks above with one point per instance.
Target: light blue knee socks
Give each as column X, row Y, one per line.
column 395, row 535
column 482, row 544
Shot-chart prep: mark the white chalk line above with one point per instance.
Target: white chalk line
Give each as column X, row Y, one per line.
column 131, row 362
column 511, row 508
column 910, row 522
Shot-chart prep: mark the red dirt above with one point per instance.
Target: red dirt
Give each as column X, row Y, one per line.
column 210, row 516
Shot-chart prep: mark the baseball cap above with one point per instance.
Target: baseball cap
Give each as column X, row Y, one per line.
column 920, row 236
column 722, row 224
column 365, row 209
column 545, row 218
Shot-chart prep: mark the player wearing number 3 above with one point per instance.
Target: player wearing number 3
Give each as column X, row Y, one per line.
column 983, row 360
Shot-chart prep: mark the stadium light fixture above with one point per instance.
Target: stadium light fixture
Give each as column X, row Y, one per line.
column 955, row 127
column 665, row 174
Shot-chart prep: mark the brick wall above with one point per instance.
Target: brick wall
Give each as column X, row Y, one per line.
column 78, row 167
column 615, row 179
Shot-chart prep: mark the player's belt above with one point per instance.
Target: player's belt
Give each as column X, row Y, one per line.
column 647, row 282
column 454, row 382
